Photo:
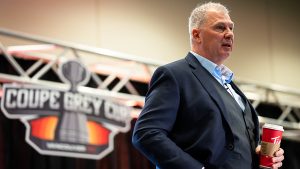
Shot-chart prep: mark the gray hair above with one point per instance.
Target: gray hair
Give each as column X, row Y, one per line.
column 198, row 15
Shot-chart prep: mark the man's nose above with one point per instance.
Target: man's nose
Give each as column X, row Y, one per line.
column 229, row 34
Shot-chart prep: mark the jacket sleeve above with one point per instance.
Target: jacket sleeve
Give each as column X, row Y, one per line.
column 156, row 121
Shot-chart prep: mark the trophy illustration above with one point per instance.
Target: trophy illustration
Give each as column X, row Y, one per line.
column 72, row 125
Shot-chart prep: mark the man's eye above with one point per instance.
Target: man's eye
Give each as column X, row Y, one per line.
column 220, row 28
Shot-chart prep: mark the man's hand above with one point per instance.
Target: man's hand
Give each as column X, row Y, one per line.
column 277, row 159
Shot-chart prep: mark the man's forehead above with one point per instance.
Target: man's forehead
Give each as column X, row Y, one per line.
column 226, row 22
column 219, row 17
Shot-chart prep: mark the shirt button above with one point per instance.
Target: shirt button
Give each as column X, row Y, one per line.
column 230, row 147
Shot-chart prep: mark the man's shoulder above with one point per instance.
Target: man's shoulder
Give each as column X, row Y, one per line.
column 176, row 68
column 178, row 64
column 188, row 60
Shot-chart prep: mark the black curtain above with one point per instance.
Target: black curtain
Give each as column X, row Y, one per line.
column 292, row 154
column 16, row 153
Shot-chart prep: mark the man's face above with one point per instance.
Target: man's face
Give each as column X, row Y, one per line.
column 216, row 37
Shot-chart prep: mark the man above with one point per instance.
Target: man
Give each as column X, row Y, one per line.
column 194, row 115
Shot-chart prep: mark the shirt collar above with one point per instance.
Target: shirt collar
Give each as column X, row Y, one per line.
column 221, row 72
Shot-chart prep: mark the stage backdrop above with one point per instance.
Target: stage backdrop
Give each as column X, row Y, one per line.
column 15, row 153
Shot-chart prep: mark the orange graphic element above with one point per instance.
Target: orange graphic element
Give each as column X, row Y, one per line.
column 98, row 135
column 44, row 128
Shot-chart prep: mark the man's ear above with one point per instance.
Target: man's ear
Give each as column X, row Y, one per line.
column 196, row 35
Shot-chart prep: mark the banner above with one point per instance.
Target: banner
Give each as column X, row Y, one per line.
column 66, row 123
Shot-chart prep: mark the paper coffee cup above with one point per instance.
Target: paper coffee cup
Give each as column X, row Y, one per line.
column 271, row 139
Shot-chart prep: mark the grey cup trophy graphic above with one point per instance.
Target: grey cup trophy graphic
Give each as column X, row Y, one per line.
column 72, row 125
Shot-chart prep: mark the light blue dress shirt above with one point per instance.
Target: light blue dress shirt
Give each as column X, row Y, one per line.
column 222, row 74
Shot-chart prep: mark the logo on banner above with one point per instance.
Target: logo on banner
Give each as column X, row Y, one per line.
column 66, row 122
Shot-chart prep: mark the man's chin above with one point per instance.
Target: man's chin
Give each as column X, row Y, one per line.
column 225, row 55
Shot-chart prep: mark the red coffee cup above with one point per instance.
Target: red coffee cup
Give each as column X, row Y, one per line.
column 271, row 138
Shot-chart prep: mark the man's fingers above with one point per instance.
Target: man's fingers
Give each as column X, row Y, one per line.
column 257, row 150
column 276, row 165
column 280, row 152
column 277, row 159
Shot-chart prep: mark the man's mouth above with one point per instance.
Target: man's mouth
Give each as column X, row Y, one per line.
column 229, row 45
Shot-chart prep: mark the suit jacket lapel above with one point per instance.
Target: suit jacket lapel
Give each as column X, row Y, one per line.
column 204, row 78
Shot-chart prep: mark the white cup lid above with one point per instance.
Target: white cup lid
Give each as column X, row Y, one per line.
column 273, row 126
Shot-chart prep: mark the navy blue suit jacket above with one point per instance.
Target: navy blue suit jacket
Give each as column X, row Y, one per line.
column 183, row 124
